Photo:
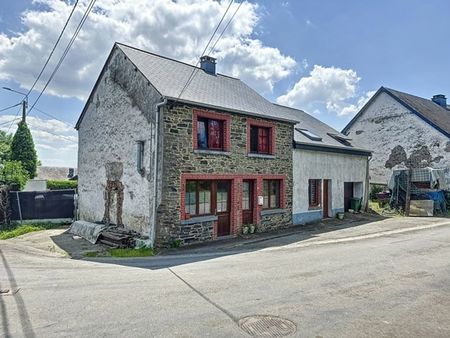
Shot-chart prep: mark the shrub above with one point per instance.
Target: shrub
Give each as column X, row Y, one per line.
column 12, row 173
column 22, row 149
column 375, row 189
column 61, row 184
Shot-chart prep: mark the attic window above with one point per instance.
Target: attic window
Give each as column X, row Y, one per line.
column 341, row 139
column 309, row 134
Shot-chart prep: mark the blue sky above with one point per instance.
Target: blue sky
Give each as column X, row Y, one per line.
column 324, row 56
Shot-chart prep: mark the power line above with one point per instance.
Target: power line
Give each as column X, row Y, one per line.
column 66, row 51
column 54, row 134
column 53, row 117
column 12, row 121
column 211, row 51
column 54, row 48
column 10, row 107
column 192, row 75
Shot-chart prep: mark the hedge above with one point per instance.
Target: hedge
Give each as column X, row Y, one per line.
column 61, row 184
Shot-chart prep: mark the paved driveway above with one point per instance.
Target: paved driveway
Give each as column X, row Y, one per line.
column 395, row 285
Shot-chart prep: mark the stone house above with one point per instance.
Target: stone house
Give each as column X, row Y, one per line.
column 182, row 163
column 404, row 131
column 329, row 169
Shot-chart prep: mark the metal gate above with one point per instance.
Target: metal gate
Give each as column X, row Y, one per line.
column 34, row 205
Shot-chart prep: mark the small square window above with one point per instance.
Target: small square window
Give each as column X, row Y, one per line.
column 271, row 194
column 210, row 134
column 260, row 140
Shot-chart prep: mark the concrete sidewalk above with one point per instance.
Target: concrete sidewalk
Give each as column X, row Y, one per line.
column 59, row 243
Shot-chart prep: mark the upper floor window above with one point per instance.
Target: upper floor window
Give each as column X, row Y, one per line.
column 261, row 137
column 259, row 140
column 210, row 134
column 211, row 130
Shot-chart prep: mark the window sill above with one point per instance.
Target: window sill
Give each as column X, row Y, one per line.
column 319, row 207
column 198, row 219
column 266, row 212
column 261, row 155
column 211, row 152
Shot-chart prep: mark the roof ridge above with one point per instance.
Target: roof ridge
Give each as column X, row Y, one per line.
column 416, row 96
column 170, row 59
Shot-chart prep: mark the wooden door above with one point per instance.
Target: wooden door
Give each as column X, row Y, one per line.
column 348, row 195
column 325, row 197
column 247, row 202
column 222, row 208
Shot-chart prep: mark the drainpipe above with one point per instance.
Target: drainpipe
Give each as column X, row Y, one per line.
column 367, row 190
column 155, row 169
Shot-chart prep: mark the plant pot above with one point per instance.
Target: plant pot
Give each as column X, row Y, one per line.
column 252, row 229
column 340, row 215
column 245, row 230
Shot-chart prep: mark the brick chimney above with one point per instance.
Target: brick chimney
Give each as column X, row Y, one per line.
column 441, row 100
column 208, row 64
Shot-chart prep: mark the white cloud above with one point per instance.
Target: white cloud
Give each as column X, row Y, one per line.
column 55, row 142
column 329, row 87
column 178, row 29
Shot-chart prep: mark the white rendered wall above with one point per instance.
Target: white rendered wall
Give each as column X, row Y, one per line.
column 387, row 124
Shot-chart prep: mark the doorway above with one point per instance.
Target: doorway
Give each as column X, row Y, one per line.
column 222, row 207
column 348, row 195
column 247, row 201
column 326, row 198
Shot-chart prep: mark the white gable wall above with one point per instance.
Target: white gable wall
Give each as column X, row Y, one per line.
column 387, row 124
column 338, row 168
column 113, row 122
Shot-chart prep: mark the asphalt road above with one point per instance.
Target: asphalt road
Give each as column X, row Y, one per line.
column 390, row 286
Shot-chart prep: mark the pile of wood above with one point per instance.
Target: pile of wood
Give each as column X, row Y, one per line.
column 118, row 237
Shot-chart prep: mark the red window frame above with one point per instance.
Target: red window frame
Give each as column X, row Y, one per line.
column 314, row 192
column 263, row 133
column 215, row 123
column 267, row 194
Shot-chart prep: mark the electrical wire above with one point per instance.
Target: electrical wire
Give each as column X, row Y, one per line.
column 54, row 134
column 211, row 51
column 194, row 71
column 54, row 48
column 53, row 117
column 10, row 107
column 66, row 51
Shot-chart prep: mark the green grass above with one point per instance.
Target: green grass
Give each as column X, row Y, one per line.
column 23, row 229
column 130, row 252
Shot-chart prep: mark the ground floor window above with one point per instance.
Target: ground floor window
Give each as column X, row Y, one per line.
column 314, row 193
column 271, row 194
column 198, row 197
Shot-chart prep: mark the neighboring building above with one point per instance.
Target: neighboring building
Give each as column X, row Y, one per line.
column 196, row 162
column 328, row 169
column 55, row 173
column 404, row 131
column 223, row 155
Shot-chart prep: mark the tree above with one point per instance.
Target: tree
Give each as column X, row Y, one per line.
column 5, row 146
column 22, row 149
column 12, row 173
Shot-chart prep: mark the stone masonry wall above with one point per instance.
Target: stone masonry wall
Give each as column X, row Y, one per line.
column 180, row 157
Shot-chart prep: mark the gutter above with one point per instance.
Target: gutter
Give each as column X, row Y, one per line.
column 332, row 149
column 152, row 232
column 230, row 110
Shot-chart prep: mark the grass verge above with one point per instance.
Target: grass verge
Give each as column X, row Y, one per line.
column 128, row 252
column 23, row 229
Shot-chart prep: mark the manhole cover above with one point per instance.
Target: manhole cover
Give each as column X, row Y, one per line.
column 267, row 326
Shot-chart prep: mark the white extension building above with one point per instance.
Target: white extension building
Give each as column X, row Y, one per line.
column 328, row 170
column 404, row 131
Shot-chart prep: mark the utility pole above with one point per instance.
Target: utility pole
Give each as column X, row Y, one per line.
column 24, row 109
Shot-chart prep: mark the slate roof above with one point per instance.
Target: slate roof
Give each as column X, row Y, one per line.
column 432, row 113
column 319, row 128
column 169, row 77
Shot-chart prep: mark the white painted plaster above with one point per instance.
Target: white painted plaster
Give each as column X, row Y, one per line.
column 385, row 124
column 111, row 126
column 338, row 168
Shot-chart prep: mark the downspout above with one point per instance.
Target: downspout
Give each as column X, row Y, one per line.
column 155, row 170
column 367, row 190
